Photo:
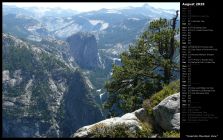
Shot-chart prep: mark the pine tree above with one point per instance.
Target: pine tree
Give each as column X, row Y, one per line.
column 162, row 34
column 147, row 64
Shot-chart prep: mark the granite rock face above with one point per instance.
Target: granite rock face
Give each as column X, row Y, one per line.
column 167, row 113
column 42, row 95
column 84, row 50
column 131, row 120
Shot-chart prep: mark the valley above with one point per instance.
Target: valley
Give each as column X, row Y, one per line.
column 56, row 63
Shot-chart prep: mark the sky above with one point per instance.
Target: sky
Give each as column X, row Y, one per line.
column 84, row 7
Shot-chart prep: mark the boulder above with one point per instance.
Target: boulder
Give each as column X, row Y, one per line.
column 167, row 113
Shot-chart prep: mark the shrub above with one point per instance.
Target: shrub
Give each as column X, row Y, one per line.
column 171, row 134
column 117, row 131
column 120, row 131
column 146, row 104
column 155, row 99
column 146, row 130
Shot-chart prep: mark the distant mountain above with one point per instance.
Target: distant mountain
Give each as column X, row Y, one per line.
column 110, row 26
column 37, row 12
column 10, row 9
column 103, row 20
column 24, row 27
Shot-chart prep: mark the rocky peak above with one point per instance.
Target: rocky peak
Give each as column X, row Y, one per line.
column 84, row 49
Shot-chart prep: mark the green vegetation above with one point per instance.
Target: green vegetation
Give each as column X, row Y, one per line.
column 146, row 131
column 35, row 66
column 15, row 58
column 97, row 77
column 120, row 131
column 50, row 62
column 171, row 134
column 155, row 99
column 20, row 57
column 145, row 67
column 100, row 131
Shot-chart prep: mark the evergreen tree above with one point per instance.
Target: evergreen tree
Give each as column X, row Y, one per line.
column 161, row 36
column 147, row 64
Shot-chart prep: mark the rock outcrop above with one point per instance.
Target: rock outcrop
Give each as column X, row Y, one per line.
column 167, row 113
column 131, row 120
column 84, row 50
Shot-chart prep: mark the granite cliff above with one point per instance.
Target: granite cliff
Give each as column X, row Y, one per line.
column 44, row 94
column 84, row 49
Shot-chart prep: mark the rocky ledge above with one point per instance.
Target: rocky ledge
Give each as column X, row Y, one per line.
column 166, row 115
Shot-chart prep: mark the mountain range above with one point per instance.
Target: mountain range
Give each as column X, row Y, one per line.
column 56, row 61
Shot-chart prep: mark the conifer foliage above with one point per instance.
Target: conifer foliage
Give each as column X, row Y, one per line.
column 145, row 67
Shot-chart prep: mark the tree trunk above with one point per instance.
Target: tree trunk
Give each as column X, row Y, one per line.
column 168, row 70
column 172, row 38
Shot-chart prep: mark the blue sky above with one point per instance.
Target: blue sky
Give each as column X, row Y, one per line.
column 83, row 7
